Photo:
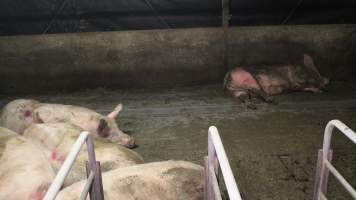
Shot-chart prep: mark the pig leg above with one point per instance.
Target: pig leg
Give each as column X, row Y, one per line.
column 263, row 93
column 263, row 96
column 245, row 98
column 242, row 96
column 313, row 89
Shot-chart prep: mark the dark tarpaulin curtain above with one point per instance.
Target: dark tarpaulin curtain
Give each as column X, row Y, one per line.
column 58, row 16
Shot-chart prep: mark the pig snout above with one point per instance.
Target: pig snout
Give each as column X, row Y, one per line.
column 124, row 139
column 127, row 141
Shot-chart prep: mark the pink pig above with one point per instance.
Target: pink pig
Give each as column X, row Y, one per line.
column 266, row 81
column 21, row 113
column 25, row 173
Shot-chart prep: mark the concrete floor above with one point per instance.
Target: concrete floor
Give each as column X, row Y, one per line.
column 272, row 150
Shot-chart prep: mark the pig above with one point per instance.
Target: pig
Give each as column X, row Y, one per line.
column 266, row 81
column 25, row 173
column 5, row 134
column 167, row 180
column 19, row 114
column 58, row 139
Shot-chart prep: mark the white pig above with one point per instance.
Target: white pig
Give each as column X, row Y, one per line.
column 19, row 114
column 58, row 139
column 25, row 173
column 168, row 180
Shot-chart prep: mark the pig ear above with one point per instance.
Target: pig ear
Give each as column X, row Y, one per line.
column 102, row 128
column 308, row 60
column 37, row 118
column 115, row 112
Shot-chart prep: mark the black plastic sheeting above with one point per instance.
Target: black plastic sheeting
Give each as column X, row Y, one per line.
column 58, row 16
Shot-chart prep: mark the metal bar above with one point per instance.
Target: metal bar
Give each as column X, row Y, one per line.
column 328, row 133
column 211, row 183
column 322, row 196
column 213, row 164
column 341, row 179
column 231, row 186
column 318, row 186
column 67, row 165
column 319, row 164
column 326, row 165
column 207, row 186
column 90, row 168
column 100, row 182
column 206, row 178
column 325, row 175
column 88, row 171
column 212, row 156
column 95, row 189
column 87, row 186
column 214, row 185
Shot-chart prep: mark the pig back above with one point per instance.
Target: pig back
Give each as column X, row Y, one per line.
column 59, row 113
column 167, row 180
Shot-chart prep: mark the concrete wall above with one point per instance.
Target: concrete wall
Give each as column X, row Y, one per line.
column 165, row 58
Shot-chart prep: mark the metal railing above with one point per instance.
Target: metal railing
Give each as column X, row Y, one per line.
column 324, row 165
column 217, row 159
column 94, row 182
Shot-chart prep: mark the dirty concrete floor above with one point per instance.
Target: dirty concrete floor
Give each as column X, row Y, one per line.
column 272, row 150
